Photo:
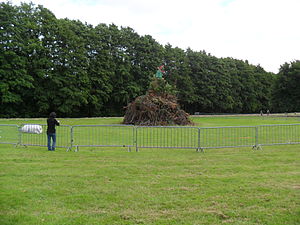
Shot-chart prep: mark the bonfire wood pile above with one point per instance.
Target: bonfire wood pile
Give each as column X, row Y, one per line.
column 155, row 109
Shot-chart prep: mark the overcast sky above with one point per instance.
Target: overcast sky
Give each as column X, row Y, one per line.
column 264, row 32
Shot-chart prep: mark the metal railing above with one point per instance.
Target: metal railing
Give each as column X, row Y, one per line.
column 228, row 137
column 102, row 135
column 63, row 137
column 167, row 137
column 155, row 136
column 9, row 134
column 278, row 134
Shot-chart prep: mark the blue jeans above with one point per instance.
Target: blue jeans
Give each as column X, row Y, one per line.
column 53, row 137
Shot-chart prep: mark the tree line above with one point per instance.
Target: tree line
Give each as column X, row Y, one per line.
column 76, row 69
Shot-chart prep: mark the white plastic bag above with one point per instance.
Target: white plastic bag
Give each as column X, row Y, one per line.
column 32, row 128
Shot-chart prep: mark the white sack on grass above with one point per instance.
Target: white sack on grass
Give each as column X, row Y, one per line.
column 31, row 128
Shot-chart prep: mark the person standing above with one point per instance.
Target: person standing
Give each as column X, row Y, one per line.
column 261, row 113
column 159, row 72
column 51, row 131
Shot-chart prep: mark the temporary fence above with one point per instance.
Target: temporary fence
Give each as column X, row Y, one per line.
column 279, row 134
column 167, row 137
column 73, row 137
column 228, row 137
column 31, row 138
column 102, row 135
column 9, row 134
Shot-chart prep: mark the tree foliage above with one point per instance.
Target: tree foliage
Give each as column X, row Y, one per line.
column 49, row 64
column 287, row 91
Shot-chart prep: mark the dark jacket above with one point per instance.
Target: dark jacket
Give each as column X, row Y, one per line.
column 51, row 122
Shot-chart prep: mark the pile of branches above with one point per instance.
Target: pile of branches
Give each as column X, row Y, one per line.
column 155, row 110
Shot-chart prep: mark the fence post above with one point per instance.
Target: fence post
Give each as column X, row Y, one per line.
column 71, row 141
column 136, row 139
column 19, row 136
column 133, row 138
column 256, row 136
column 257, row 145
column 199, row 141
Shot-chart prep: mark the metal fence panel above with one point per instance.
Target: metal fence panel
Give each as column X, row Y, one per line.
column 167, row 137
column 103, row 135
column 279, row 134
column 63, row 137
column 155, row 136
column 225, row 137
column 9, row 134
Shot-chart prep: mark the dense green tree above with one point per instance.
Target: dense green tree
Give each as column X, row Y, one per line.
column 178, row 74
column 100, row 64
column 287, row 91
column 70, row 68
column 49, row 64
column 134, row 60
column 37, row 24
column 236, row 84
column 13, row 62
column 202, row 101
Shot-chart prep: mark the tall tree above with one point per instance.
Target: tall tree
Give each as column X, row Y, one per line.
column 287, row 91
column 13, row 60
column 178, row 74
column 68, row 92
column 37, row 25
column 79, row 70
column 100, row 70
column 134, row 61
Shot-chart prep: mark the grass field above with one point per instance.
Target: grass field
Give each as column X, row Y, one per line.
column 154, row 186
column 199, row 121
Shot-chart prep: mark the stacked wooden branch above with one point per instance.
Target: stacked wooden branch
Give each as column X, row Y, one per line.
column 155, row 109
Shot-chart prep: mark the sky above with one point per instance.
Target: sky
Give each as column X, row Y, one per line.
column 264, row 32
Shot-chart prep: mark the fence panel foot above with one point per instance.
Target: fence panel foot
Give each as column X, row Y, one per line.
column 200, row 150
column 257, row 147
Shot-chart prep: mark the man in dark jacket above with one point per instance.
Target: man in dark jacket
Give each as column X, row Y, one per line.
column 51, row 131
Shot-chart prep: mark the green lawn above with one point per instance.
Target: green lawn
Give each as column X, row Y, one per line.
column 243, row 121
column 153, row 186
column 199, row 121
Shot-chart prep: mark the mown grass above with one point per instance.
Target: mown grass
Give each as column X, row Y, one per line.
column 153, row 186
column 243, row 121
column 198, row 121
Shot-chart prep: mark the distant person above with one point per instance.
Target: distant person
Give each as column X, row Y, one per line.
column 268, row 112
column 159, row 72
column 51, row 131
column 261, row 113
